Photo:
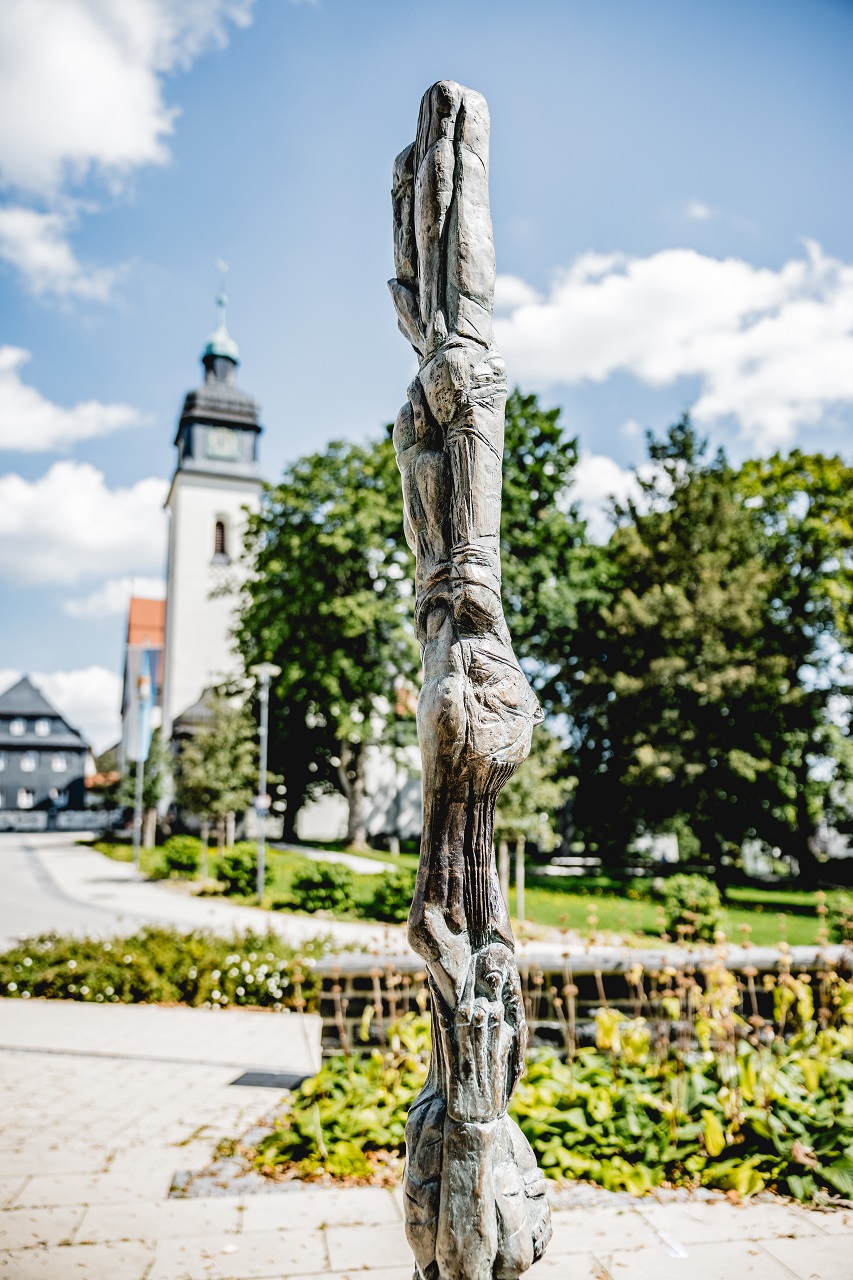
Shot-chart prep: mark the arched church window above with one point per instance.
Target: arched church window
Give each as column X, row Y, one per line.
column 220, row 541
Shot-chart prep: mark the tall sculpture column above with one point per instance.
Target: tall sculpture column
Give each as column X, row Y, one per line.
column 475, row 1199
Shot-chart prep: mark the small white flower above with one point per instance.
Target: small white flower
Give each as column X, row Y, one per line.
column 241, row 991
column 11, row 986
column 84, row 991
column 216, row 995
column 27, row 961
column 72, row 964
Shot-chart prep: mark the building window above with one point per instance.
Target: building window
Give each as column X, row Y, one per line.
column 58, row 763
column 42, row 728
column 2, row 798
column 220, row 541
column 26, row 798
column 28, row 762
column 2, row 760
column 17, row 728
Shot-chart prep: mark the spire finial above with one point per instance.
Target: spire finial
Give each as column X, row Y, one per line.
column 220, row 342
column 222, row 296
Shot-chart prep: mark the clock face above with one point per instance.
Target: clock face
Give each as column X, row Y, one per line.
column 223, row 444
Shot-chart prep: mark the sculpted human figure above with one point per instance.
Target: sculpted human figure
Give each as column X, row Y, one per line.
column 475, row 1200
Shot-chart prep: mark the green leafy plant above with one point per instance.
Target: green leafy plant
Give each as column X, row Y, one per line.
column 692, row 905
column 163, row 966
column 618, row 1114
column 393, row 896
column 238, row 870
column 325, row 886
column 181, row 855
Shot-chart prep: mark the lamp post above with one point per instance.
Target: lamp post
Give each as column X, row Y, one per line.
column 263, row 673
column 143, row 698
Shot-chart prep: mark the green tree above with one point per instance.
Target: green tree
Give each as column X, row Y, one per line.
column 548, row 566
column 705, row 682
column 668, row 667
column 329, row 602
column 804, row 506
column 330, row 596
column 217, row 768
column 528, row 807
column 156, row 777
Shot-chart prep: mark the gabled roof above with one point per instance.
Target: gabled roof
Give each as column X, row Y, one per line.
column 24, row 699
column 146, row 622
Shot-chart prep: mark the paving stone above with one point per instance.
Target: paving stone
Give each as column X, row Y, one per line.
column 700, row 1221
column 78, row 1262
column 583, row 1266
column 357, row 1248
column 829, row 1258
column 103, row 1188
column 833, row 1221
column 319, row 1207
column 167, row 1220
column 599, row 1231
column 10, row 1188
column 383, row 1273
column 23, row 1228
column 244, row 1257
column 740, row 1259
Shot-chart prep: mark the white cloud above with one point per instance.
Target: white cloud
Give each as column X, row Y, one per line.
column 81, row 96
column 81, row 82
column 772, row 349
column 89, row 698
column 31, row 423
column 68, row 525
column 698, row 211
column 37, row 245
column 113, row 596
column 599, row 479
column 512, row 292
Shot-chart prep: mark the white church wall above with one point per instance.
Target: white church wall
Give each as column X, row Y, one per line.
column 199, row 648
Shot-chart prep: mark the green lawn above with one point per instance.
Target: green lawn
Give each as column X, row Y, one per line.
column 552, row 904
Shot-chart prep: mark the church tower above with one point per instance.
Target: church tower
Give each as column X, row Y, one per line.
column 216, row 478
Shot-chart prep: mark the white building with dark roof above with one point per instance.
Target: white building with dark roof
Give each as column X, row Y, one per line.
column 217, row 480
column 42, row 757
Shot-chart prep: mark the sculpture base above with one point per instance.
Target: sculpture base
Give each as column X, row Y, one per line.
column 474, row 1198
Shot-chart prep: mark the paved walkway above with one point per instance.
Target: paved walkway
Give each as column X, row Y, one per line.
column 48, row 882
column 92, row 1144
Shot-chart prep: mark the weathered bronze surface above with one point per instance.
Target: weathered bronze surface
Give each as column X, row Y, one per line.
column 475, row 1199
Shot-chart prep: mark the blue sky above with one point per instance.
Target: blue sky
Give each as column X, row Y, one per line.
column 672, row 200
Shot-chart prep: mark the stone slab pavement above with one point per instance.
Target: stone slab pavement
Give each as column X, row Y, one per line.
column 93, row 1137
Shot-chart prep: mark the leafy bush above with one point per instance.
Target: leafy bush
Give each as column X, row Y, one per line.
column 694, row 903
column 238, row 870
column 841, row 918
column 181, row 855
column 162, row 966
column 324, row 886
column 393, row 896
column 777, row 1116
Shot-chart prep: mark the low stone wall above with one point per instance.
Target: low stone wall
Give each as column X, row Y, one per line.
column 362, row 994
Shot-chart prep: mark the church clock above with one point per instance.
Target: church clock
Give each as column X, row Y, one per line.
column 222, row 444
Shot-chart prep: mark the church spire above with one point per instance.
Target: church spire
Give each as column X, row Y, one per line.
column 221, row 354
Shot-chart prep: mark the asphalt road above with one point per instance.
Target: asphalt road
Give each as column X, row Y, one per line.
column 31, row 902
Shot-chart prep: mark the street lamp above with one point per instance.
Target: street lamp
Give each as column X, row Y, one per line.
column 143, row 706
column 263, row 673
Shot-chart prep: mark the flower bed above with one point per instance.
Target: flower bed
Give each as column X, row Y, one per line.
column 161, row 966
